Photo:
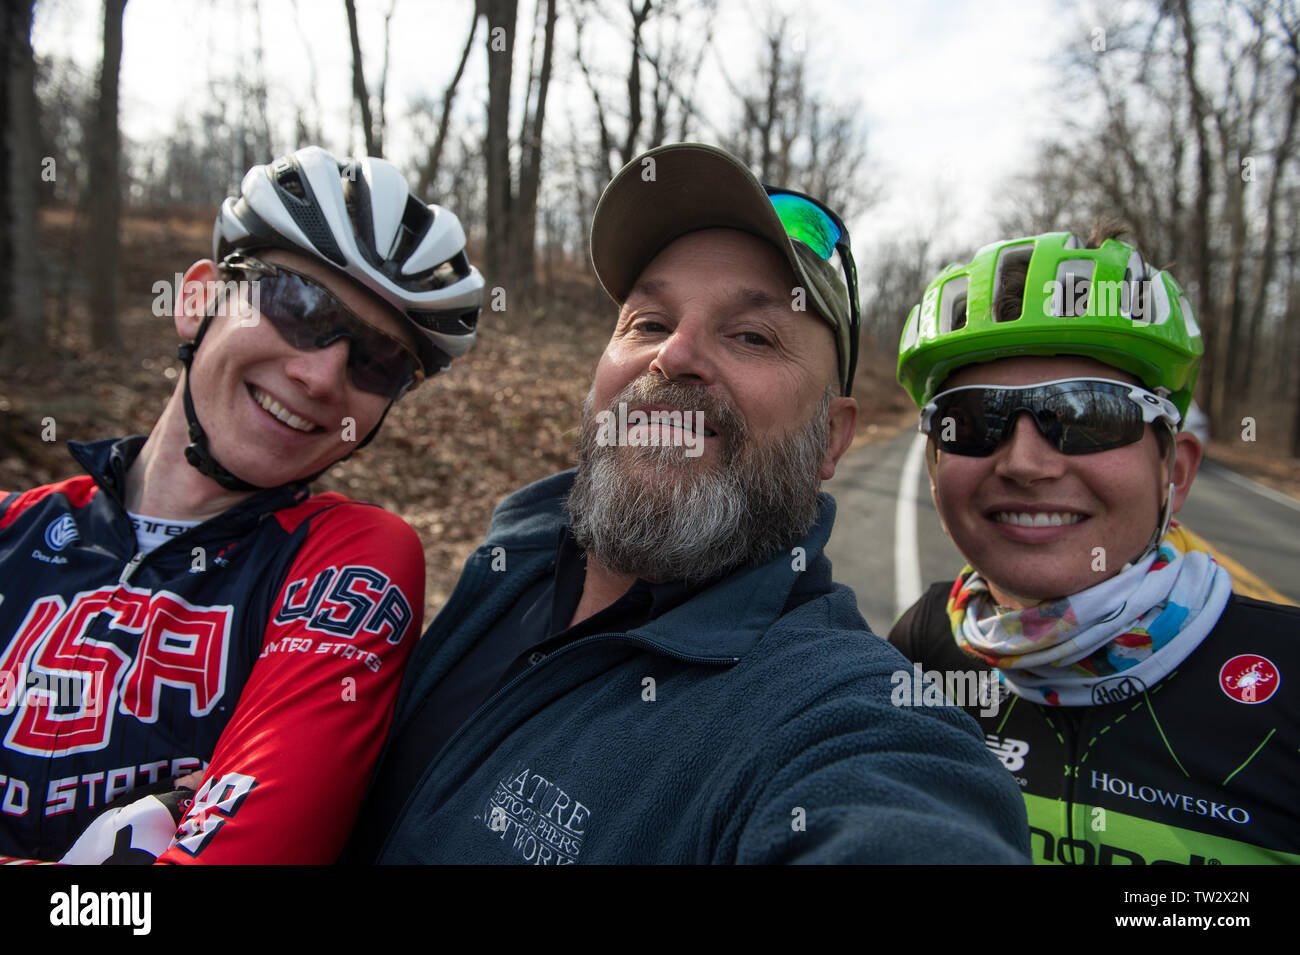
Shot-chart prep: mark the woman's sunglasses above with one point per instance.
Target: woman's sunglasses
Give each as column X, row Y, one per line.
column 307, row 317
column 1077, row 415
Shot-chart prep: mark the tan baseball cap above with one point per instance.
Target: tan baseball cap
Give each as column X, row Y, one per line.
column 683, row 187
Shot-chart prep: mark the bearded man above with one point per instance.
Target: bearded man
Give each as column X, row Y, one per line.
column 647, row 661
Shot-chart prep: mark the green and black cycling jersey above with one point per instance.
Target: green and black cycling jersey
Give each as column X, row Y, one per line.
column 1202, row 768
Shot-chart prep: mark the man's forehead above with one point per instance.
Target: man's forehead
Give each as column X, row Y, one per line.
column 749, row 296
column 758, row 272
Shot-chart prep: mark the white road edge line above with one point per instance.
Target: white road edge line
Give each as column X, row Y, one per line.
column 907, row 558
column 1262, row 490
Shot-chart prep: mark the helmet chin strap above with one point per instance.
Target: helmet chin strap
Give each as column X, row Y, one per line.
column 197, row 452
column 1167, row 507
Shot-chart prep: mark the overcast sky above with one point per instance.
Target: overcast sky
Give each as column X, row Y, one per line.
column 955, row 93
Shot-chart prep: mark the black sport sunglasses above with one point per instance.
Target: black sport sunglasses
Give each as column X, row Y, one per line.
column 1077, row 415
column 307, row 316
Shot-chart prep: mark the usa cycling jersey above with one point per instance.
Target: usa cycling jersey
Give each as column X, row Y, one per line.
column 266, row 646
column 1203, row 768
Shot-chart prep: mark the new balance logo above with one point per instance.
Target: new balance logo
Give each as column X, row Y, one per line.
column 1011, row 752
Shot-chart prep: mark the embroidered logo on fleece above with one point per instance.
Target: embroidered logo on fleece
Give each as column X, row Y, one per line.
column 535, row 819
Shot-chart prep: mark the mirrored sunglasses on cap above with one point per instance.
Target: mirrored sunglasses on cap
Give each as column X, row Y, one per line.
column 1077, row 415
column 308, row 317
column 822, row 231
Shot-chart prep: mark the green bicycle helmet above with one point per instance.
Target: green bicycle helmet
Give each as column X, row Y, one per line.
column 1103, row 303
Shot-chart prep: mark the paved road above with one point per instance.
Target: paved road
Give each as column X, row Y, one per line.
column 1260, row 529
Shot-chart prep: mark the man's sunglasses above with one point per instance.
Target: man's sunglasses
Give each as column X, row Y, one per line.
column 307, row 317
column 817, row 227
column 1077, row 415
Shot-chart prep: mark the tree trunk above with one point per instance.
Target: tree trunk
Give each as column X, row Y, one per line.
column 105, row 188
column 22, row 329
column 634, row 81
column 1229, row 382
column 1268, row 257
column 604, row 170
column 530, row 167
column 501, row 18
column 429, row 173
column 381, row 124
column 359, row 93
column 1200, row 240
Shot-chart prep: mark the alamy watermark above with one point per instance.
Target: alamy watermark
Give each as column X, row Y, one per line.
column 965, row 688
column 83, row 692
column 1072, row 297
column 656, row 428
column 237, row 299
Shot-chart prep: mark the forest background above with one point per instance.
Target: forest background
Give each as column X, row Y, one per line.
column 932, row 132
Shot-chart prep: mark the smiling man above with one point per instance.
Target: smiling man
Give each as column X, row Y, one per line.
column 188, row 615
column 647, row 661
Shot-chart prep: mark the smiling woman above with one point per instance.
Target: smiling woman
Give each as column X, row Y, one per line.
column 1056, row 465
column 1024, row 512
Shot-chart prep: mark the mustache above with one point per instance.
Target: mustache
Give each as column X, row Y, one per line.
column 643, row 513
column 719, row 416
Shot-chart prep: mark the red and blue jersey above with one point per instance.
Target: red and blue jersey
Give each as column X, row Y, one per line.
column 264, row 646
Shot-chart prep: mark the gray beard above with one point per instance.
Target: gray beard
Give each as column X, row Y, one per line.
column 652, row 512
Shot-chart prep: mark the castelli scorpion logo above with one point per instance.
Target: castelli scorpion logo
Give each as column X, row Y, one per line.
column 1249, row 678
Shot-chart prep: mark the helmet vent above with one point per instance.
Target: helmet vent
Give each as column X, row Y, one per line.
column 443, row 276
column 1009, row 281
column 952, row 308
column 959, row 313
column 1072, row 289
column 440, row 276
column 297, row 199
column 416, row 221
column 1136, row 303
column 356, row 200
column 291, row 182
column 446, row 323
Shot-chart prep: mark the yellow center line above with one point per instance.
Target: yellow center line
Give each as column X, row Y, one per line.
column 1244, row 582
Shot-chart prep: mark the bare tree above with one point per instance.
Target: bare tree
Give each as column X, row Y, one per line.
column 21, row 320
column 642, row 90
column 383, row 75
column 105, row 191
column 1194, row 148
column 512, row 192
column 258, row 94
column 1282, row 154
column 501, row 21
column 430, row 167
column 671, row 38
column 373, row 142
column 530, row 155
column 307, row 125
column 794, row 135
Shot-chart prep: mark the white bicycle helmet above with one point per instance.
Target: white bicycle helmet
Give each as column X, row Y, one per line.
column 359, row 217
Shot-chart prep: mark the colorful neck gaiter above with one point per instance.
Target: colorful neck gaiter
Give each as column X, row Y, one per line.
column 1103, row 644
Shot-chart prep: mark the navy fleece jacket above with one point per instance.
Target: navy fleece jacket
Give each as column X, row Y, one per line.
column 723, row 731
